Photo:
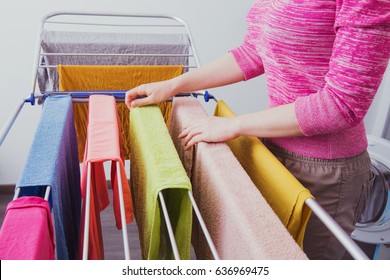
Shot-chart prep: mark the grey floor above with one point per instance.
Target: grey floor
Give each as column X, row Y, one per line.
column 112, row 237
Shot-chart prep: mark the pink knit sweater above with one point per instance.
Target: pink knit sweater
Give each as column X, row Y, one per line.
column 329, row 58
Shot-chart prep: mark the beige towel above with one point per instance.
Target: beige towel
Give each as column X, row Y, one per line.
column 280, row 188
column 241, row 223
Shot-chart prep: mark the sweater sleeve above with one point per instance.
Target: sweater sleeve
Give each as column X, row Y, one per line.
column 246, row 54
column 359, row 59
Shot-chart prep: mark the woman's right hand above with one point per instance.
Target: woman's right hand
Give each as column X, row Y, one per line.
column 151, row 93
column 221, row 72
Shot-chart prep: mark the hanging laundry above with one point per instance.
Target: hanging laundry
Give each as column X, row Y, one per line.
column 84, row 78
column 279, row 187
column 122, row 45
column 27, row 231
column 156, row 167
column 53, row 161
column 240, row 221
column 103, row 144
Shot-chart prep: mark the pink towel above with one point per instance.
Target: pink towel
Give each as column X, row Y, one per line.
column 103, row 144
column 27, row 231
column 241, row 223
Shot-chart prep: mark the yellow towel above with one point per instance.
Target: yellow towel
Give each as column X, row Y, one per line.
column 156, row 166
column 83, row 77
column 280, row 188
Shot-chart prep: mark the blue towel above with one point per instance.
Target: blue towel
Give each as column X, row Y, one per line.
column 53, row 161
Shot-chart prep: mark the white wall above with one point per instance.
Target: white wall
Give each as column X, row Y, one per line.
column 216, row 25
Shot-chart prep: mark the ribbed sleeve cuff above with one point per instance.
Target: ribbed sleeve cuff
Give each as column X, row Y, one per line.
column 319, row 114
column 249, row 65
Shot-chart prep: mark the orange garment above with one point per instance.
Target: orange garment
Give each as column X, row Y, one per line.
column 85, row 77
column 103, row 144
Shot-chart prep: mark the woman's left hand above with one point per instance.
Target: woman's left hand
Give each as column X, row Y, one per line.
column 209, row 129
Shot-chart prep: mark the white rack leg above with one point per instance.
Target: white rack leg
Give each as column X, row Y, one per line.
column 123, row 214
column 46, row 197
column 17, row 192
column 355, row 251
column 87, row 213
column 203, row 226
column 47, row 193
column 169, row 227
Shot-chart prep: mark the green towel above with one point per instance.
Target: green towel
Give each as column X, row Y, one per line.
column 155, row 167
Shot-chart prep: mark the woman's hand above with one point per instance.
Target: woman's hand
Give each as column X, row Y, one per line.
column 221, row 72
column 151, row 93
column 278, row 121
column 209, row 129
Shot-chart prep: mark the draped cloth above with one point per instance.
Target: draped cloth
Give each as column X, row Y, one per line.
column 240, row 221
column 27, row 232
column 103, row 144
column 156, row 167
column 53, row 161
column 128, row 49
column 89, row 78
column 281, row 189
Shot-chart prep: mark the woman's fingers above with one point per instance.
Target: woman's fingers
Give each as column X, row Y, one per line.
column 133, row 94
column 191, row 134
column 210, row 129
column 194, row 140
column 147, row 94
column 194, row 132
column 141, row 102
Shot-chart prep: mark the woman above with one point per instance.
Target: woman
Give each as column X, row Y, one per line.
column 324, row 62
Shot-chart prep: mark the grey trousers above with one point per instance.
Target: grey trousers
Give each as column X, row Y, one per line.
column 340, row 186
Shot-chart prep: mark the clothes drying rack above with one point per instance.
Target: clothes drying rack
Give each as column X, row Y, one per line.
column 68, row 19
column 61, row 19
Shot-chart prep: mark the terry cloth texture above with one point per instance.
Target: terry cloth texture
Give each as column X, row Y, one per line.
column 108, row 43
column 280, row 188
column 240, row 221
column 103, row 144
column 27, row 232
column 88, row 78
column 156, row 167
column 53, row 161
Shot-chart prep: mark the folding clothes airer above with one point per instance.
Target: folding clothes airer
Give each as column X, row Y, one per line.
column 48, row 60
column 173, row 48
